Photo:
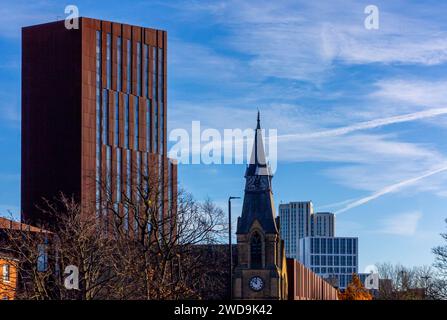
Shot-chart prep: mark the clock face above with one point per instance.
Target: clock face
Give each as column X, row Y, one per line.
column 256, row 283
column 255, row 183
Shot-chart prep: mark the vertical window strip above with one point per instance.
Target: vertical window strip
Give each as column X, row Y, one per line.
column 126, row 122
column 145, row 173
column 154, row 73
column 117, row 119
column 109, row 170
column 160, row 191
column 136, row 122
column 137, row 192
column 118, row 174
column 139, row 68
column 148, row 126
column 129, row 65
column 105, row 118
column 98, row 120
column 128, row 187
column 146, row 71
column 160, row 74
column 109, row 60
column 118, row 64
column 162, row 129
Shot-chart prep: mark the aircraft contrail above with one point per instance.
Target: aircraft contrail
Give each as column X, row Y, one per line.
column 391, row 188
column 367, row 125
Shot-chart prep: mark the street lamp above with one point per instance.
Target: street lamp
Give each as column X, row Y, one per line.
column 426, row 284
column 230, row 267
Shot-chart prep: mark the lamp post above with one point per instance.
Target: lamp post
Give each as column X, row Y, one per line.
column 426, row 283
column 230, row 266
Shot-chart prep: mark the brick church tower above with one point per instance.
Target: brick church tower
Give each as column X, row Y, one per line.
column 261, row 271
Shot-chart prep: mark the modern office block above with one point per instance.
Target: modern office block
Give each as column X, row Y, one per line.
column 94, row 105
column 296, row 223
column 333, row 258
column 323, row 224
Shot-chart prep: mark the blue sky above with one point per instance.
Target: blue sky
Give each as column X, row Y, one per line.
column 361, row 114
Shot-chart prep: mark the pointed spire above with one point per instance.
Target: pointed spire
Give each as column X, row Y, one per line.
column 258, row 161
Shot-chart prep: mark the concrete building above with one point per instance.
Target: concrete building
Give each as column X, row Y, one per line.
column 333, row 258
column 296, row 223
column 94, row 108
column 323, row 224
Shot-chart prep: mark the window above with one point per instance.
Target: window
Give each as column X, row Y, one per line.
column 105, row 117
column 154, row 73
column 117, row 119
column 146, row 70
column 126, row 122
column 109, row 169
column 128, row 188
column 139, row 68
column 118, row 64
column 136, row 122
column 98, row 119
column 256, row 251
column 42, row 258
column 6, row 273
column 162, row 121
column 317, row 245
column 129, row 65
column 323, row 245
column 342, row 246
column 108, row 61
column 148, row 126
column 118, row 174
column 160, row 74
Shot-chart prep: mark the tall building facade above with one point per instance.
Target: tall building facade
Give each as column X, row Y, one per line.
column 333, row 258
column 298, row 220
column 261, row 269
column 94, row 108
column 296, row 223
column 310, row 238
column 323, row 224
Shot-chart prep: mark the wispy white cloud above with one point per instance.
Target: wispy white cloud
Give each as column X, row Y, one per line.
column 392, row 188
column 18, row 14
column 401, row 224
column 367, row 125
column 413, row 92
column 303, row 40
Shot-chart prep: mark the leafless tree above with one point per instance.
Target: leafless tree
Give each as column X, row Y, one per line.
column 129, row 244
column 403, row 283
column 440, row 264
column 74, row 239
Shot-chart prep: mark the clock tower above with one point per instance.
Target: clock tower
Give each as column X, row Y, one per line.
column 260, row 271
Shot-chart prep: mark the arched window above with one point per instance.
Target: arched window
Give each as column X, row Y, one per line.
column 256, row 251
